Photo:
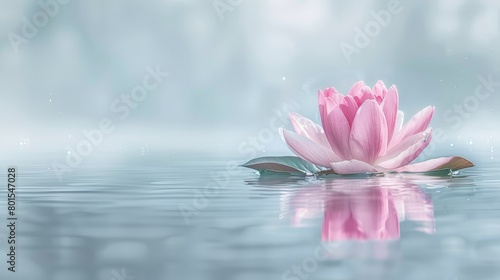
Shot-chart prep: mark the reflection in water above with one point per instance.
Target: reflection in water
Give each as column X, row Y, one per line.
column 369, row 214
column 363, row 209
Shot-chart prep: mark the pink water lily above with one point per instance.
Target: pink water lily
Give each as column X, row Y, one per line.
column 363, row 132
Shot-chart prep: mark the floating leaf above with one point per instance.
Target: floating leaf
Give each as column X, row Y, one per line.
column 285, row 164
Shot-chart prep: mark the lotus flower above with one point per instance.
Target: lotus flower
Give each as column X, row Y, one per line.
column 363, row 132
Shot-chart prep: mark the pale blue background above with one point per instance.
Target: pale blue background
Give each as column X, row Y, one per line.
column 233, row 77
column 229, row 72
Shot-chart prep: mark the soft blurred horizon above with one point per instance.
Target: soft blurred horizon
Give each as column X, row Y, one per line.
column 231, row 73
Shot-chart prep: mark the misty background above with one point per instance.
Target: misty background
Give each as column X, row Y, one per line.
column 233, row 68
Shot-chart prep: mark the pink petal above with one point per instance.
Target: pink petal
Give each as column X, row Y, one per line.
column 415, row 125
column 365, row 94
column 390, row 106
column 404, row 145
column 380, row 91
column 336, row 97
column 333, row 94
column 349, row 108
column 327, row 100
column 305, row 127
column 352, row 167
column 321, row 101
column 309, row 150
column 355, row 89
column 452, row 163
column 337, row 130
column 368, row 135
column 406, row 151
column 399, row 122
column 329, row 92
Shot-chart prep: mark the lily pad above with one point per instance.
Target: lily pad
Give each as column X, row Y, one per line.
column 284, row 164
column 456, row 163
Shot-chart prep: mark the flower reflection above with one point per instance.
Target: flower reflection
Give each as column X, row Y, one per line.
column 367, row 210
column 369, row 214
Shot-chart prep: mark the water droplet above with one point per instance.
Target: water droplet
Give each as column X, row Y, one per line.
column 284, row 78
column 69, row 152
column 452, row 145
column 471, row 142
column 24, row 143
column 50, row 100
column 426, row 136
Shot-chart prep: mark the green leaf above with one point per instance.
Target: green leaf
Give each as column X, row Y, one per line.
column 285, row 164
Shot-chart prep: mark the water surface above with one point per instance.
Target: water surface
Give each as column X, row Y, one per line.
column 182, row 217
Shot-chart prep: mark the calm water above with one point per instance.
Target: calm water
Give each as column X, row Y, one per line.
column 166, row 218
